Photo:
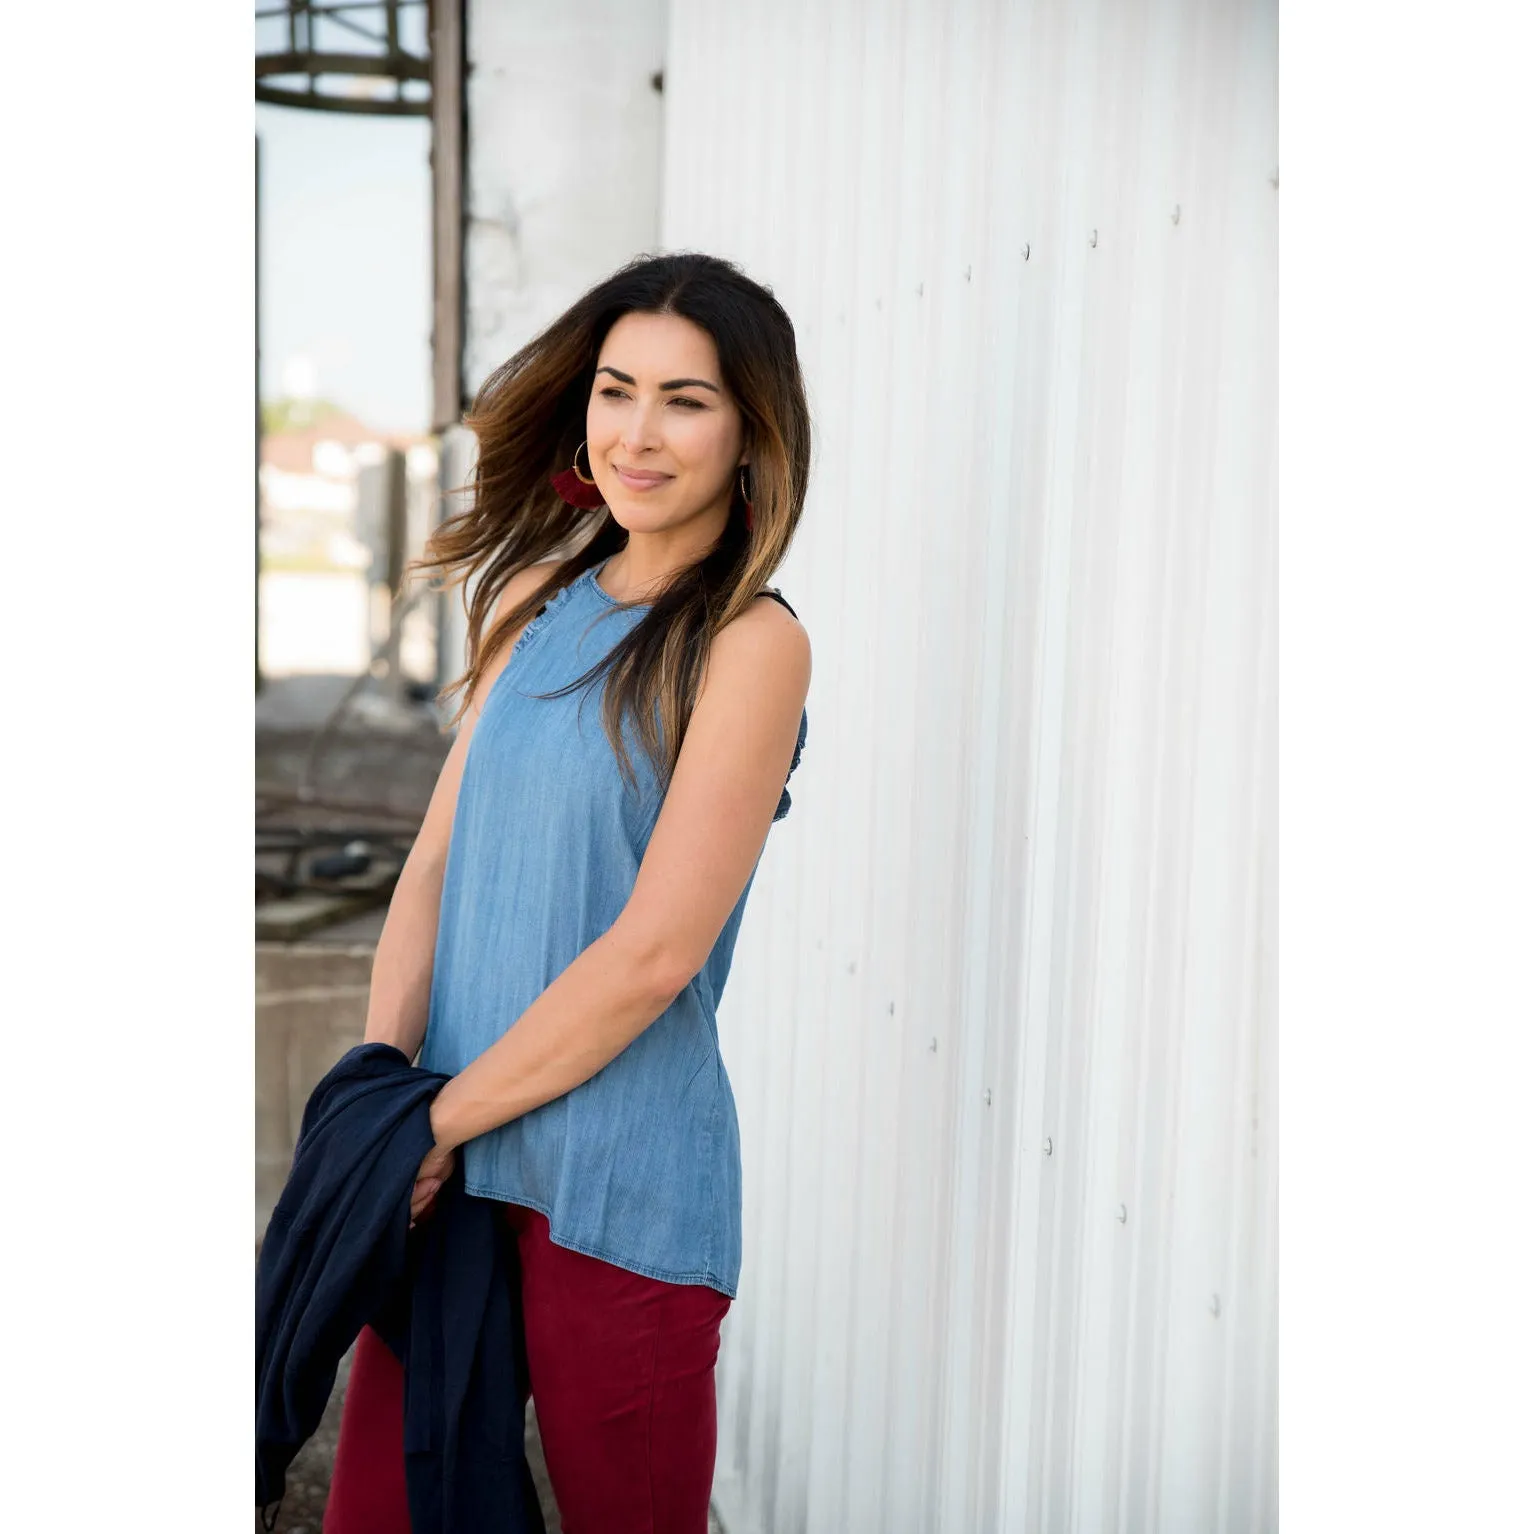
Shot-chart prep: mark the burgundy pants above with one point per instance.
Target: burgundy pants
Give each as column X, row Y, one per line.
column 622, row 1374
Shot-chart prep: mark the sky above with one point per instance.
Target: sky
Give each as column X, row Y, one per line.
column 346, row 262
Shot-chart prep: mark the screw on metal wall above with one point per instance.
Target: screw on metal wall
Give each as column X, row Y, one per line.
column 1123, row 1214
column 1093, row 240
column 988, row 1097
column 1049, row 1146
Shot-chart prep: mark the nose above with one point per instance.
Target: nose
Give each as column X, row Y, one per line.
column 640, row 432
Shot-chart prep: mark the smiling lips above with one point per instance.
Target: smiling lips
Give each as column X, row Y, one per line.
column 640, row 479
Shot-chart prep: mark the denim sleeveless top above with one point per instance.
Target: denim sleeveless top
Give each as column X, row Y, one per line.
column 640, row 1164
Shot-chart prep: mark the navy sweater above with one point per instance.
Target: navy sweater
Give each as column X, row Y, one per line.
column 339, row 1254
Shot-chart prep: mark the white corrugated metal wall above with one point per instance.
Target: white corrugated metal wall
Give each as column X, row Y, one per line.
column 1002, row 1021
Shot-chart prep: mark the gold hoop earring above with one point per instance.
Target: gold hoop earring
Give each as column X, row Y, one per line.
column 575, row 487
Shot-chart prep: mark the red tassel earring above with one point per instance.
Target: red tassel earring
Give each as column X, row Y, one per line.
column 576, row 486
column 745, row 495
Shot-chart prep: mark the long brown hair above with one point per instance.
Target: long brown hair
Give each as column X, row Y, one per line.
column 529, row 418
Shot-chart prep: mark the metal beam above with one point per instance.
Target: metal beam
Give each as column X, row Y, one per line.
column 449, row 131
column 332, row 11
column 392, row 66
column 318, row 101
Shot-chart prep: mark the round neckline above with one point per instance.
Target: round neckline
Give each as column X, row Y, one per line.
column 607, row 596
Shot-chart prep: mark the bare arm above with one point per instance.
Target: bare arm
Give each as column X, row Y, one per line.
column 402, row 966
column 706, row 841
column 400, row 992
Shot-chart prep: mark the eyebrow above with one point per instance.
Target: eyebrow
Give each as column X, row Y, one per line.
column 675, row 383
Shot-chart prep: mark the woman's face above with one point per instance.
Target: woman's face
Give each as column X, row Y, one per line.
column 659, row 406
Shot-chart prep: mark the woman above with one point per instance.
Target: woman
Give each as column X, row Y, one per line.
column 560, row 935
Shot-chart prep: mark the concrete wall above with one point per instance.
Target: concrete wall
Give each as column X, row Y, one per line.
column 564, row 159
column 563, row 184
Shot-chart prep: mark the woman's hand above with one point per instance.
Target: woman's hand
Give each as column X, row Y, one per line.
column 435, row 1170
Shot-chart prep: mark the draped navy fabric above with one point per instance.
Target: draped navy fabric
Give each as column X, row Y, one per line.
column 339, row 1254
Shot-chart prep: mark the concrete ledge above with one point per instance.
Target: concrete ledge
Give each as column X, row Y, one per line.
column 311, row 1007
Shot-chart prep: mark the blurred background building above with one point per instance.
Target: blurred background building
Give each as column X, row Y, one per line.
column 1001, row 1028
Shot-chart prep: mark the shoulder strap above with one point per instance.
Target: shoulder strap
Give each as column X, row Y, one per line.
column 777, row 596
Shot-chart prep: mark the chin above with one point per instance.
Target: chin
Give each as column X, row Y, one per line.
column 627, row 517
column 637, row 506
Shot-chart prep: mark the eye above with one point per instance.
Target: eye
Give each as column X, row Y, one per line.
column 681, row 399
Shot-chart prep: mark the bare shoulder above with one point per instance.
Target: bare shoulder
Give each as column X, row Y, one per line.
column 766, row 646
column 516, row 591
column 522, row 585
